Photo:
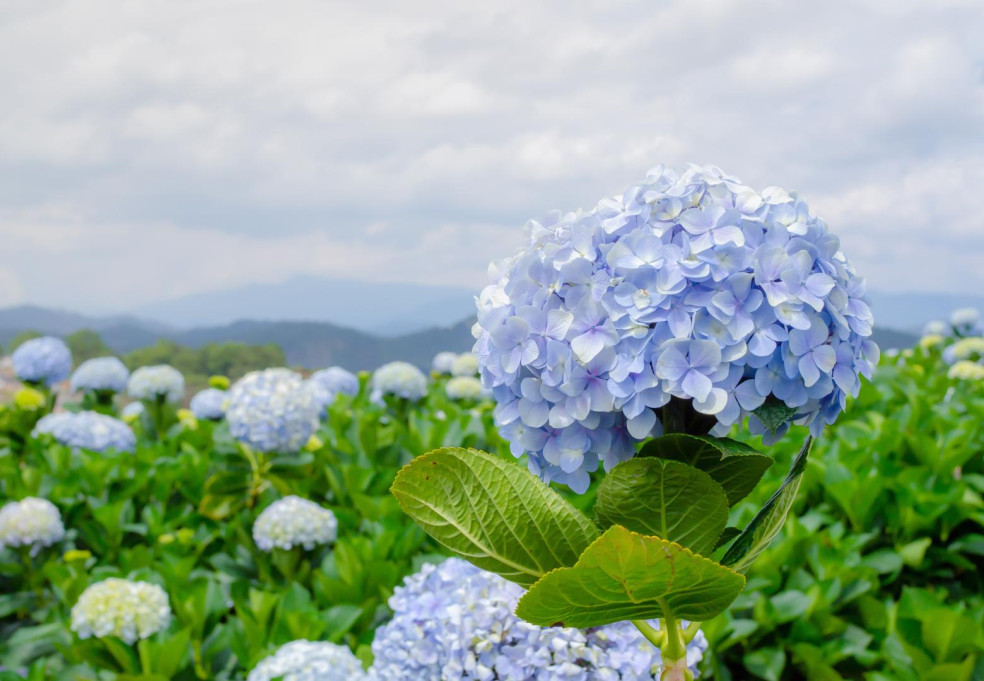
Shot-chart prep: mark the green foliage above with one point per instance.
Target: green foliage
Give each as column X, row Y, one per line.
column 86, row 344
column 877, row 574
column 213, row 359
column 628, row 576
column 494, row 513
column 179, row 512
column 21, row 338
column 666, row 499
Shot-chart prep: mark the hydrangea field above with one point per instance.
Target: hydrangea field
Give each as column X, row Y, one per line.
column 674, row 453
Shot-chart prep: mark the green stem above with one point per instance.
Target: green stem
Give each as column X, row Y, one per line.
column 655, row 636
column 691, row 631
column 675, row 648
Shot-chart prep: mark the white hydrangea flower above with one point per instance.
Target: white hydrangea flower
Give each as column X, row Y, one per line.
column 309, row 661
column 146, row 383
column 30, row 522
column 465, row 364
column 464, row 388
column 443, row 361
column 399, row 379
column 965, row 370
column 293, row 521
column 122, row 608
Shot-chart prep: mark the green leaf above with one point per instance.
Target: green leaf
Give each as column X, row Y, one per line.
column 727, row 536
column 774, row 414
column 492, row 512
column 769, row 520
column 733, row 465
column 668, row 499
column 948, row 635
column 766, row 663
column 626, row 576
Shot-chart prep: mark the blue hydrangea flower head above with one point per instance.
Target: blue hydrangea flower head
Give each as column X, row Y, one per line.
column 328, row 383
column 689, row 286
column 88, row 430
column 272, row 410
column 399, row 379
column 101, row 373
column 455, row 621
column 443, row 361
column 209, row 404
column 148, row 383
column 46, row 360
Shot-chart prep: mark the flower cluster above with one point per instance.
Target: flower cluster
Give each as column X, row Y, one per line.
column 331, row 382
column 965, row 370
column 152, row 382
column 455, row 621
column 209, row 404
column 30, row 522
column 272, row 410
column 293, row 521
column 689, row 286
column 309, row 661
column 465, row 364
column 45, row 360
column 132, row 411
column 122, row 608
column 963, row 322
column 88, row 430
column 399, row 379
column 965, row 349
column 100, row 374
column 443, row 361
column 464, row 388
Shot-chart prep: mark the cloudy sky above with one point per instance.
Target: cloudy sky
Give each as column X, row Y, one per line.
column 150, row 150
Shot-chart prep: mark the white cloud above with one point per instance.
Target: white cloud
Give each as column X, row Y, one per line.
column 199, row 144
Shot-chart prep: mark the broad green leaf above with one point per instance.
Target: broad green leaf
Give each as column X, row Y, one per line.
column 733, row 465
column 492, row 512
column 774, row 414
column 668, row 499
column 727, row 536
column 767, row 523
column 627, row 576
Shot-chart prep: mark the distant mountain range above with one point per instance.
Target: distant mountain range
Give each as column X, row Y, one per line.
column 381, row 309
column 307, row 344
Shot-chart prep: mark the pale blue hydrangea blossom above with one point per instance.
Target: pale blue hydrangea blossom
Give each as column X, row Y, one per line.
column 399, row 379
column 293, row 521
column 151, row 382
column 328, row 383
column 689, row 286
column 133, row 410
column 46, row 360
column 443, row 361
column 455, row 621
column 309, row 661
column 100, row 374
column 209, row 404
column 30, row 522
column 963, row 322
column 272, row 410
column 122, row 608
column 88, row 430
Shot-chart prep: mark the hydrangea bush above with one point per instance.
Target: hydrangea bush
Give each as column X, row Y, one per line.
column 309, row 661
column 272, row 410
column 42, row 361
column 31, row 523
column 209, row 404
column 157, row 383
column 632, row 337
column 399, row 379
column 101, row 374
column 122, row 608
column 328, row 383
column 88, row 430
column 293, row 521
column 454, row 621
